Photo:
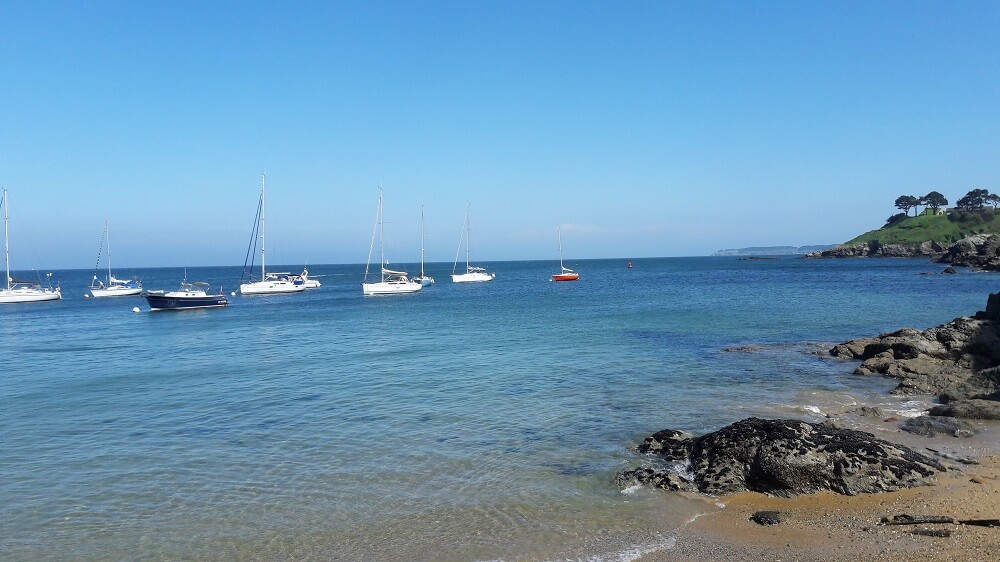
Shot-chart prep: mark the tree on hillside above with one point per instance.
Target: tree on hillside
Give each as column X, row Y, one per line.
column 973, row 200
column 993, row 199
column 906, row 202
column 935, row 200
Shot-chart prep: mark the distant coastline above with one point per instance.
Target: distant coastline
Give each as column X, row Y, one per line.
column 774, row 250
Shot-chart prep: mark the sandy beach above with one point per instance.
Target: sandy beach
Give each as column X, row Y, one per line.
column 828, row 526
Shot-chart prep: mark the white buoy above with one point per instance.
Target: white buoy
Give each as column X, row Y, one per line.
column 135, row 309
column 233, row 294
column 86, row 295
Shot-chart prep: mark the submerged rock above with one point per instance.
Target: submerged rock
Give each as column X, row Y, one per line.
column 930, row 426
column 785, row 458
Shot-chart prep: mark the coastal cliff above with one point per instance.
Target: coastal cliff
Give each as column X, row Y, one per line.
column 877, row 249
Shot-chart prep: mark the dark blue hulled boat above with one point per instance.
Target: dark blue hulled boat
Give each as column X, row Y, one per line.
column 190, row 295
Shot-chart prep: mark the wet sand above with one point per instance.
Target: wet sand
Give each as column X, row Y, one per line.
column 827, row 526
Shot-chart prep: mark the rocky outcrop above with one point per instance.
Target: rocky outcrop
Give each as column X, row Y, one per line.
column 980, row 252
column 958, row 361
column 782, row 458
column 876, row 249
column 931, row 426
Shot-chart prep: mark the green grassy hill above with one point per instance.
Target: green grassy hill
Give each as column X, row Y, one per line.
column 943, row 229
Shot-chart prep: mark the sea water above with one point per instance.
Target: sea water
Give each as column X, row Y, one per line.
column 464, row 422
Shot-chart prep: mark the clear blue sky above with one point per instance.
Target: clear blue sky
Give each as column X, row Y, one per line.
column 646, row 128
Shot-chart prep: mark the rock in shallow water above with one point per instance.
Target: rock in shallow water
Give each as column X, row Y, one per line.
column 930, row 426
column 787, row 458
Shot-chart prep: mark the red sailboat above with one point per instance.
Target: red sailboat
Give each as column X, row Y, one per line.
column 565, row 273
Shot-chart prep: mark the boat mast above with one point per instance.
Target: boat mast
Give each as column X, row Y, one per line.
column 262, row 274
column 559, row 231
column 381, row 235
column 468, row 236
column 421, row 241
column 107, row 234
column 6, row 246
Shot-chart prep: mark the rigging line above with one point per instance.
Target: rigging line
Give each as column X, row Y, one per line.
column 371, row 247
column 461, row 238
column 100, row 250
column 252, row 246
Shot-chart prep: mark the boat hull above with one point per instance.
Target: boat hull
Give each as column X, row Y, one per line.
column 426, row 281
column 14, row 296
column 271, row 288
column 566, row 277
column 387, row 288
column 169, row 302
column 116, row 292
column 473, row 277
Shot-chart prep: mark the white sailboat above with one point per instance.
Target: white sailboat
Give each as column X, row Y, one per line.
column 269, row 283
column 565, row 273
column 390, row 282
column 114, row 287
column 21, row 291
column 423, row 279
column 472, row 273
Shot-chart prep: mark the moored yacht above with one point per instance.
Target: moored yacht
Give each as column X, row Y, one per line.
column 115, row 287
column 269, row 283
column 21, row 291
column 423, row 278
column 565, row 273
column 188, row 296
column 473, row 274
column 390, row 282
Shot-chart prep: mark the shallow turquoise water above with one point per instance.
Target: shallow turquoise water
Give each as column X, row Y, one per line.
column 463, row 422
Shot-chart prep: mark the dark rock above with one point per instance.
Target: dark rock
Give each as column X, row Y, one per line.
column 984, row 385
column 949, row 270
column 788, row 457
column 670, row 444
column 853, row 349
column 877, row 249
column 767, row 517
column 951, row 457
column 658, row 478
column 832, row 423
column 974, row 409
column 981, row 251
column 930, row 426
column 992, row 311
column 743, row 349
column 869, row 411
